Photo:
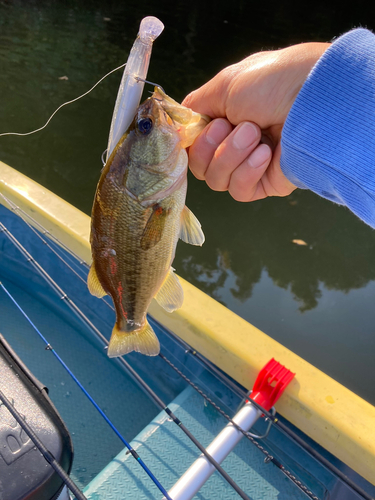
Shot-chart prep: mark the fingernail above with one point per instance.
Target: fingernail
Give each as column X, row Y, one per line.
column 260, row 156
column 187, row 100
column 245, row 135
column 217, row 132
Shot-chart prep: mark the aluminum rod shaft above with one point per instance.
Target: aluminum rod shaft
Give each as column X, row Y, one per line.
column 199, row 472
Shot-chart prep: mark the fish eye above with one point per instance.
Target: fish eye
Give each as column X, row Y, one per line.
column 145, row 125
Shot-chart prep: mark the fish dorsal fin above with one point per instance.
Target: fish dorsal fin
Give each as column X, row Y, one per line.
column 143, row 340
column 170, row 296
column 93, row 283
column 191, row 229
column 154, row 227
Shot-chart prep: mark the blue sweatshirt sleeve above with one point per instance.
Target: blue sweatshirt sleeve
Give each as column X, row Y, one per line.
column 328, row 139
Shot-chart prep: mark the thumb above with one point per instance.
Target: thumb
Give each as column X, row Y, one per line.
column 210, row 99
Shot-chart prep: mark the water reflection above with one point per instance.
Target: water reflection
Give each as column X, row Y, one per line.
column 249, row 238
column 248, row 261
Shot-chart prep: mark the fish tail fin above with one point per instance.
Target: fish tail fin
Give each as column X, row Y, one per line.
column 142, row 340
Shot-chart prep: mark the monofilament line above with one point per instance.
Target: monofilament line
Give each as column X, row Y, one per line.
column 62, row 105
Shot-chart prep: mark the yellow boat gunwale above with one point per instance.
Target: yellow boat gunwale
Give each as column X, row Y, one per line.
column 332, row 415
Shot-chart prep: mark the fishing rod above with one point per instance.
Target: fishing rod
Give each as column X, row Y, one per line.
column 247, row 434
column 22, row 214
column 53, row 250
column 278, row 423
column 122, row 361
column 178, row 422
column 43, row 450
column 127, row 367
column 50, row 348
column 203, row 360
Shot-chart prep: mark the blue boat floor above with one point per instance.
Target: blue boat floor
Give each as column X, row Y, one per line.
column 168, row 453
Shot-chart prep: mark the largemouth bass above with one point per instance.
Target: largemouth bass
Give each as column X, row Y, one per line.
column 138, row 215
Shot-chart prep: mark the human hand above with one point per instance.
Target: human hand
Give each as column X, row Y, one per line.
column 240, row 150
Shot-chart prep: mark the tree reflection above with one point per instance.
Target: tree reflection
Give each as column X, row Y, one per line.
column 246, row 239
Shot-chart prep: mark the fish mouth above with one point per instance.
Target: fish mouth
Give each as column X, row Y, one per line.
column 160, row 104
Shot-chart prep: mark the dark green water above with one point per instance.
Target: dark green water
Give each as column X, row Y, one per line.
column 317, row 300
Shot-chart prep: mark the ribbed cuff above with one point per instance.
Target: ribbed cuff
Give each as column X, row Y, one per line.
column 328, row 140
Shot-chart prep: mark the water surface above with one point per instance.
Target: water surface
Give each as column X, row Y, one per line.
column 316, row 299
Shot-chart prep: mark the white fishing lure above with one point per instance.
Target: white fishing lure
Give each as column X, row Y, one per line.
column 131, row 87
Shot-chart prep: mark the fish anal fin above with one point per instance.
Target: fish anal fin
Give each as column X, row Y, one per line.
column 143, row 340
column 171, row 295
column 154, row 227
column 93, row 283
column 191, row 230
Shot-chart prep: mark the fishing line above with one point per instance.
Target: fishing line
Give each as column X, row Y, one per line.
column 50, row 348
column 62, row 105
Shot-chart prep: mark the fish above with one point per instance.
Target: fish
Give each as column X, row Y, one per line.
column 138, row 215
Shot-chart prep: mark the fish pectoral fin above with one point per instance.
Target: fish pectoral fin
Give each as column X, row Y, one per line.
column 93, row 283
column 143, row 340
column 154, row 227
column 171, row 295
column 191, row 229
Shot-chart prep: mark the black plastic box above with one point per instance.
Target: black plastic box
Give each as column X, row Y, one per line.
column 24, row 473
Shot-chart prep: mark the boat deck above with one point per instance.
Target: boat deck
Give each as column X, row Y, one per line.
column 161, row 444
column 169, row 453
